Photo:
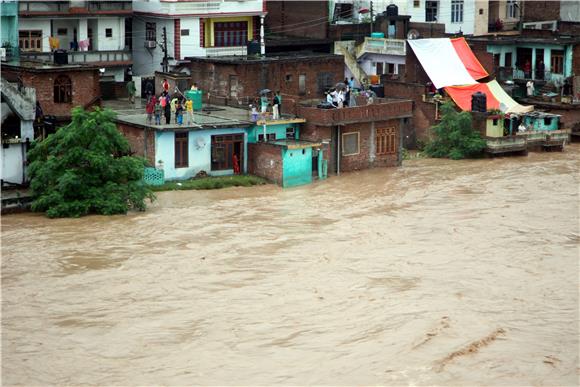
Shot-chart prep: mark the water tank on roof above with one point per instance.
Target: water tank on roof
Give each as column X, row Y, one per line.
column 254, row 48
column 478, row 102
column 60, row 57
column 392, row 10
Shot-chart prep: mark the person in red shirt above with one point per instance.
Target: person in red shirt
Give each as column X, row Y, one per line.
column 236, row 163
column 165, row 86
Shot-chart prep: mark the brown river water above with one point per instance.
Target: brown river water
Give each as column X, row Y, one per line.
column 439, row 272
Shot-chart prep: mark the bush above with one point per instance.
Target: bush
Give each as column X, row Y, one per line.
column 454, row 136
column 85, row 168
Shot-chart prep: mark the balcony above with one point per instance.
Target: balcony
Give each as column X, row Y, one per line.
column 226, row 51
column 47, row 8
column 382, row 109
column 382, row 46
column 198, row 7
column 102, row 58
column 512, row 73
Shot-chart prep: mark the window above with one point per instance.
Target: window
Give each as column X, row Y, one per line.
column 108, row 32
column 431, row 11
column 62, row 89
column 30, row 40
column 547, row 121
column 184, row 32
column 269, row 137
column 557, row 62
column 181, row 149
column 481, row 11
column 350, row 144
column 290, row 134
column 379, row 66
column 386, row 141
column 288, row 77
column 416, row 3
column 230, row 34
column 390, row 68
column 151, row 31
column 302, row 84
column 457, row 11
column 223, row 149
column 511, row 9
column 62, row 31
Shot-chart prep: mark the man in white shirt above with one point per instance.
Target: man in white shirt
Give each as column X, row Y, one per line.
column 530, row 88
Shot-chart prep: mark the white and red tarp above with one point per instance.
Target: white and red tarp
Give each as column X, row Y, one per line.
column 451, row 64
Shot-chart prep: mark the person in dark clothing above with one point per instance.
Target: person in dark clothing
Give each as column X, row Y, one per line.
column 167, row 109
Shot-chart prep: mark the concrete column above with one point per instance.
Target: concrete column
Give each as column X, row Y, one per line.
column 534, row 63
column 83, row 29
column 121, row 37
column 262, row 41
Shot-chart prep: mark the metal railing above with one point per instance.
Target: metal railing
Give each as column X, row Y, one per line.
column 226, row 51
column 511, row 73
column 79, row 57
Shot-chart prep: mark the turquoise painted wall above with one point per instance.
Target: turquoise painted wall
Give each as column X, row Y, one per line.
column 297, row 167
column 199, row 147
column 9, row 23
column 279, row 129
column 503, row 50
column 539, row 123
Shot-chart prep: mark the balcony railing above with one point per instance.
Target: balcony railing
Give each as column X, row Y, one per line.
column 62, row 7
column 175, row 7
column 81, row 57
column 375, row 112
column 512, row 73
column 226, row 51
column 382, row 46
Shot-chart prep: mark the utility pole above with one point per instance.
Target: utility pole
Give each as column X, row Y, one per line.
column 372, row 15
column 165, row 69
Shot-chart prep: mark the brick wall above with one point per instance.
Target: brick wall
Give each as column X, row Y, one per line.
column 428, row 30
column 537, row 10
column 136, row 138
column 423, row 112
column 216, row 78
column 265, row 160
column 298, row 18
column 85, row 88
column 576, row 60
column 485, row 58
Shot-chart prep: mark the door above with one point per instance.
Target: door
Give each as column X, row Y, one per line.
column 233, row 87
column 508, row 59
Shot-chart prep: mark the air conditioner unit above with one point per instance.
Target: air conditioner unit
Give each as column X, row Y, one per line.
column 3, row 53
column 150, row 44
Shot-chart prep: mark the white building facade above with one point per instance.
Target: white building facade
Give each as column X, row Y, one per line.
column 93, row 32
column 467, row 16
column 180, row 29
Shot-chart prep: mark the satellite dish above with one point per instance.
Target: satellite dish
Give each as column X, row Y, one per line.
column 412, row 34
column 200, row 142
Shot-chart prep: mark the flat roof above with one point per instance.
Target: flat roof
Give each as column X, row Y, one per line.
column 290, row 57
column 46, row 66
column 216, row 117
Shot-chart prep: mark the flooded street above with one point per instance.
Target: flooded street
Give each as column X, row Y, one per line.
column 439, row 272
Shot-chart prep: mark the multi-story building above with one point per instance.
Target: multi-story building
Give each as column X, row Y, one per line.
column 9, row 27
column 168, row 31
column 93, row 32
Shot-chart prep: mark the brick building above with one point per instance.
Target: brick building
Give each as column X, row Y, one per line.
column 59, row 88
column 237, row 81
column 360, row 137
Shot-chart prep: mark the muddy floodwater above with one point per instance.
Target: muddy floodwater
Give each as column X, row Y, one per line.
column 440, row 272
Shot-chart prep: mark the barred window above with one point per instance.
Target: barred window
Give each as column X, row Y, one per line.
column 62, row 89
column 350, row 144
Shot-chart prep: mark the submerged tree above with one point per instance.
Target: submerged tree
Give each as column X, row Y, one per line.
column 454, row 136
column 86, row 168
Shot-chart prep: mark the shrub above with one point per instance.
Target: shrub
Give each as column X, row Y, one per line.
column 454, row 136
column 85, row 168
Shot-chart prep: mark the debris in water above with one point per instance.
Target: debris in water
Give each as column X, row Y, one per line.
column 472, row 348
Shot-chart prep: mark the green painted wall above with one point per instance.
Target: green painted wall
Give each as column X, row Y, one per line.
column 297, row 167
column 539, row 123
column 278, row 129
column 9, row 24
column 504, row 49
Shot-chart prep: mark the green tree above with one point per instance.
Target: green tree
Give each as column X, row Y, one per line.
column 85, row 168
column 454, row 136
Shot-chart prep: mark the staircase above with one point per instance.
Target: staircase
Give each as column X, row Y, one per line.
column 347, row 49
column 21, row 101
column 547, row 88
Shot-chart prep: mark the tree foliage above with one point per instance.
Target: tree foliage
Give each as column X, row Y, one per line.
column 454, row 136
column 86, row 168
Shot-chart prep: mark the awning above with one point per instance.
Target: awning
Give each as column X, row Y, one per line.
column 442, row 62
column 497, row 98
